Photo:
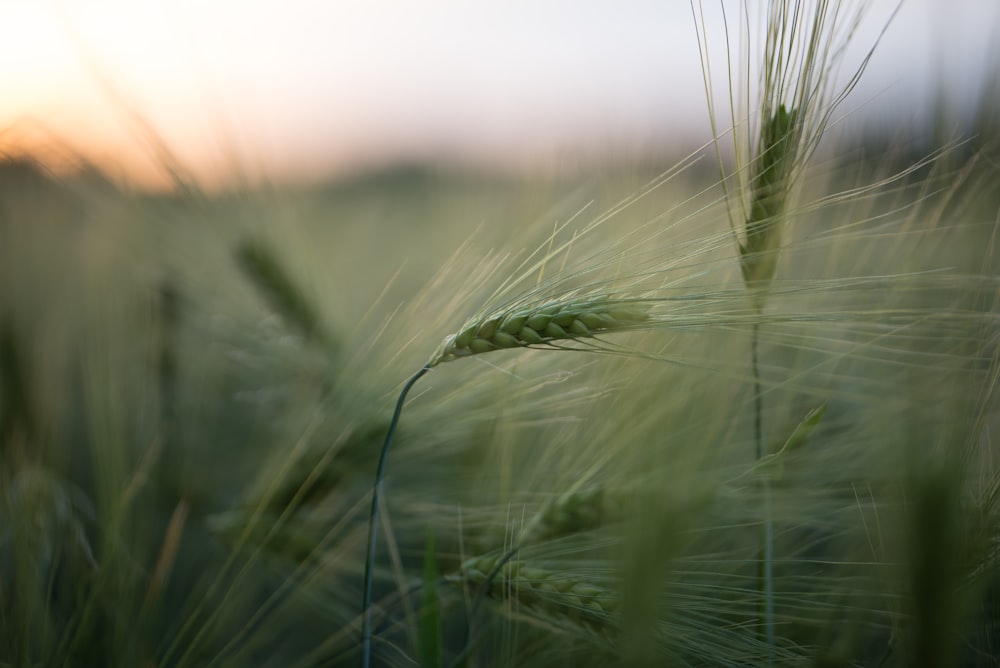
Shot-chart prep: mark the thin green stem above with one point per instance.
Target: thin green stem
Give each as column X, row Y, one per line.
column 366, row 604
column 765, row 564
column 758, row 400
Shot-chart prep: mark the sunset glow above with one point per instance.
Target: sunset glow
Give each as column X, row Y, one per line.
column 300, row 89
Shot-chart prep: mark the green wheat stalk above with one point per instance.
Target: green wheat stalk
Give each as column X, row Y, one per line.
column 547, row 324
column 802, row 49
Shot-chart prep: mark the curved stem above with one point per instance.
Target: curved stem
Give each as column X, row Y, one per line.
column 366, row 604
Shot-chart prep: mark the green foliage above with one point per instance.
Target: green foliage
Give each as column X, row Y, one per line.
column 192, row 488
column 188, row 442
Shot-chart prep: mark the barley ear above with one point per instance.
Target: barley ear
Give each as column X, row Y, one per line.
column 562, row 599
column 771, row 183
column 540, row 325
column 263, row 269
column 571, row 513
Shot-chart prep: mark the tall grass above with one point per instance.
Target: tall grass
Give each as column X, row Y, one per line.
column 194, row 391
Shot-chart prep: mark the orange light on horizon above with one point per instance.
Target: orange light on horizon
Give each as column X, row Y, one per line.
column 53, row 109
column 255, row 91
column 231, row 91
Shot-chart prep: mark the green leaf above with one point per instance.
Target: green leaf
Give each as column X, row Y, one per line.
column 801, row 433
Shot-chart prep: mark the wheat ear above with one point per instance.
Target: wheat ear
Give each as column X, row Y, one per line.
column 264, row 270
column 559, row 598
column 771, row 186
column 573, row 512
column 539, row 325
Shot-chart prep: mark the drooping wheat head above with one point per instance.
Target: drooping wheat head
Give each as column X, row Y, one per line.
column 545, row 324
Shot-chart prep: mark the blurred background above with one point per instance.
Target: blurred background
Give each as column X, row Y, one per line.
column 238, row 92
column 201, row 348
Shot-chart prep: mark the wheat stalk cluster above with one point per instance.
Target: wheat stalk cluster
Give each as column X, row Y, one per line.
column 771, row 446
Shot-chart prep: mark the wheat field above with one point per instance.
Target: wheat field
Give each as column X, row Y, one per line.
column 646, row 436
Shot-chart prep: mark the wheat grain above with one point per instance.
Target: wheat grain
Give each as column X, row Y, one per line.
column 531, row 326
column 572, row 513
column 559, row 598
column 771, row 188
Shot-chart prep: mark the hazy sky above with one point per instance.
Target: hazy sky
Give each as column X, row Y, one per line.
column 297, row 87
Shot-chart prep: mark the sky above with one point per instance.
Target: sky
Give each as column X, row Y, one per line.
column 307, row 89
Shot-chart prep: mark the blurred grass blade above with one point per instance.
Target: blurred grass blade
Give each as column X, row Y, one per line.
column 430, row 610
column 16, row 420
column 261, row 266
column 801, row 433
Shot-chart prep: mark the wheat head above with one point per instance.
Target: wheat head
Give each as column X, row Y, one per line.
column 546, row 323
column 562, row 599
column 573, row 512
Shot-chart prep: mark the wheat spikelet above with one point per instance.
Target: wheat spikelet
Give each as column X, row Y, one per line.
column 542, row 324
column 572, row 513
column 771, row 185
column 559, row 598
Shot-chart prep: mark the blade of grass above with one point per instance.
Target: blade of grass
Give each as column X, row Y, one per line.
column 430, row 610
